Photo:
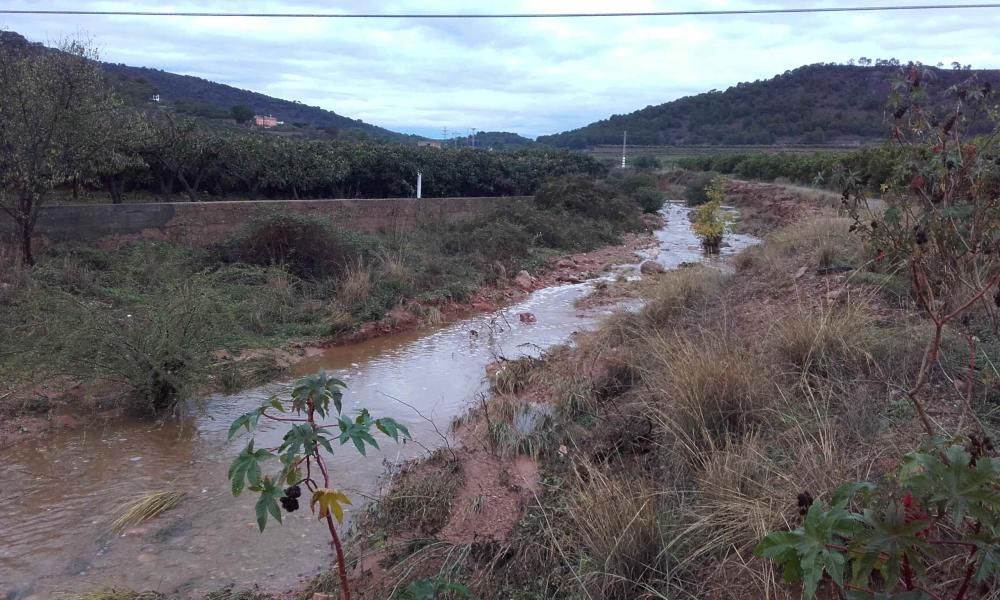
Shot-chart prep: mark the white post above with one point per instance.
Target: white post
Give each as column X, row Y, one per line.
column 624, row 136
column 420, row 184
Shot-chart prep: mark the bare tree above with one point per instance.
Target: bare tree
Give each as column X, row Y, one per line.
column 56, row 115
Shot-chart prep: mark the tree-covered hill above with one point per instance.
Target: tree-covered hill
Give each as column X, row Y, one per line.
column 814, row 104
column 203, row 98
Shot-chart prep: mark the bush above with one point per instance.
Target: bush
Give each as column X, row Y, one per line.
column 694, row 192
column 308, row 246
column 646, row 161
column 634, row 182
column 585, row 196
column 648, row 199
column 159, row 355
column 710, row 222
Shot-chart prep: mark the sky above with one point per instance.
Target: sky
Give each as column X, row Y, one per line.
column 532, row 77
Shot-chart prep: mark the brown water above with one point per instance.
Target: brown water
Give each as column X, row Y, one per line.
column 58, row 495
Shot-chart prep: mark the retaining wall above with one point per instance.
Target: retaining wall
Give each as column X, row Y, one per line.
column 202, row 223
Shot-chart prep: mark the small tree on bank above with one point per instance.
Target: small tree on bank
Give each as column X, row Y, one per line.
column 56, row 116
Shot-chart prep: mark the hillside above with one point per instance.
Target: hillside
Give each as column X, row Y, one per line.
column 208, row 98
column 203, row 98
column 814, row 104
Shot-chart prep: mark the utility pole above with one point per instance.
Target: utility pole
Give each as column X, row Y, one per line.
column 624, row 137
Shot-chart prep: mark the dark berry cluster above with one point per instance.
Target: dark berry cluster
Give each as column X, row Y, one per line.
column 290, row 501
column 805, row 500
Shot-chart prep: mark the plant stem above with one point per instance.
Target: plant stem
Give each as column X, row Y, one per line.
column 345, row 588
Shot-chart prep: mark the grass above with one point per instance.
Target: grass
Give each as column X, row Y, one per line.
column 678, row 436
column 145, row 507
column 97, row 314
column 421, row 498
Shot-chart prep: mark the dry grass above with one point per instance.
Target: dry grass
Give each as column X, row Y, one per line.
column 514, row 376
column 339, row 320
column 822, row 241
column 145, row 507
column 826, row 340
column 421, row 496
column 616, row 523
column 355, row 284
column 705, row 387
column 681, row 290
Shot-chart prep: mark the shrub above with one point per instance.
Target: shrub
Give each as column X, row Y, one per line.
column 695, row 191
column 489, row 241
column 585, row 196
column 710, row 222
column 646, row 161
column 159, row 354
column 633, row 182
column 308, row 246
column 648, row 199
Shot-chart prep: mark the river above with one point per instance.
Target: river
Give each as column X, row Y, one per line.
column 59, row 494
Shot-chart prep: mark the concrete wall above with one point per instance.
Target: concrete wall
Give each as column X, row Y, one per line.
column 202, row 223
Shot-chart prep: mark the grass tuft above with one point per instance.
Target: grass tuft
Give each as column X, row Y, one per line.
column 145, row 507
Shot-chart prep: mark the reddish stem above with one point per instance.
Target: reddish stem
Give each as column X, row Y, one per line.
column 970, row 570
column 345, row 588
column 907, row 574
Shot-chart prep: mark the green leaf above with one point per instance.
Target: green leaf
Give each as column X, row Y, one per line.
column 267, row 503
column 391, row 428
column 245, row 468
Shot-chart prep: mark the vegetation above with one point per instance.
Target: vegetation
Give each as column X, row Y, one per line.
column 938, row 224
column 56, row 114
column 818, row 168
column 821, row 103
column 300, row 453
column 710, row 223
column 149, row 317
column 831, row 405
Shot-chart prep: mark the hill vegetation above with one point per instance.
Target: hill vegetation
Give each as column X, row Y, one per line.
column 814, row 104
column 195, row 96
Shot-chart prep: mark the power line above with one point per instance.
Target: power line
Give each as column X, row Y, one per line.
column 676, row 13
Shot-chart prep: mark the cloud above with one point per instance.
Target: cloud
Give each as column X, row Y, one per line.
column 529, row 76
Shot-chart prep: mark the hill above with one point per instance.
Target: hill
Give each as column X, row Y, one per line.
column 204, row 98
column 814, row 104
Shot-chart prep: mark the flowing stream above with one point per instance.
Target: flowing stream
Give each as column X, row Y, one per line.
column 59, row 494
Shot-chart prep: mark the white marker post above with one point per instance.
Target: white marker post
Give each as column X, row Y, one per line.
column 420, row 184
column 624, row 137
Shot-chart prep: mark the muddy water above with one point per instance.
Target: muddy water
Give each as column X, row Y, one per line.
column 59, row 495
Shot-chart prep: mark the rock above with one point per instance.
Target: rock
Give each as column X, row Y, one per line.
column 565, row 263
column 527, row 317
column 651, row 267
column 802, row 271
column 524, row 281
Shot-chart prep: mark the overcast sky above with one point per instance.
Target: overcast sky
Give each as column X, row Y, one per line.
column 528, row 76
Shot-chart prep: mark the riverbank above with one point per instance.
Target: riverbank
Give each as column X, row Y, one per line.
column 63, row 401
column 647, row 459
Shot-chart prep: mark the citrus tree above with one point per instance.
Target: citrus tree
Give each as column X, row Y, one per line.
column 301, row 455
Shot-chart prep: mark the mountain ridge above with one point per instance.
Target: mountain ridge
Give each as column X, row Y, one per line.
column 814, row 104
